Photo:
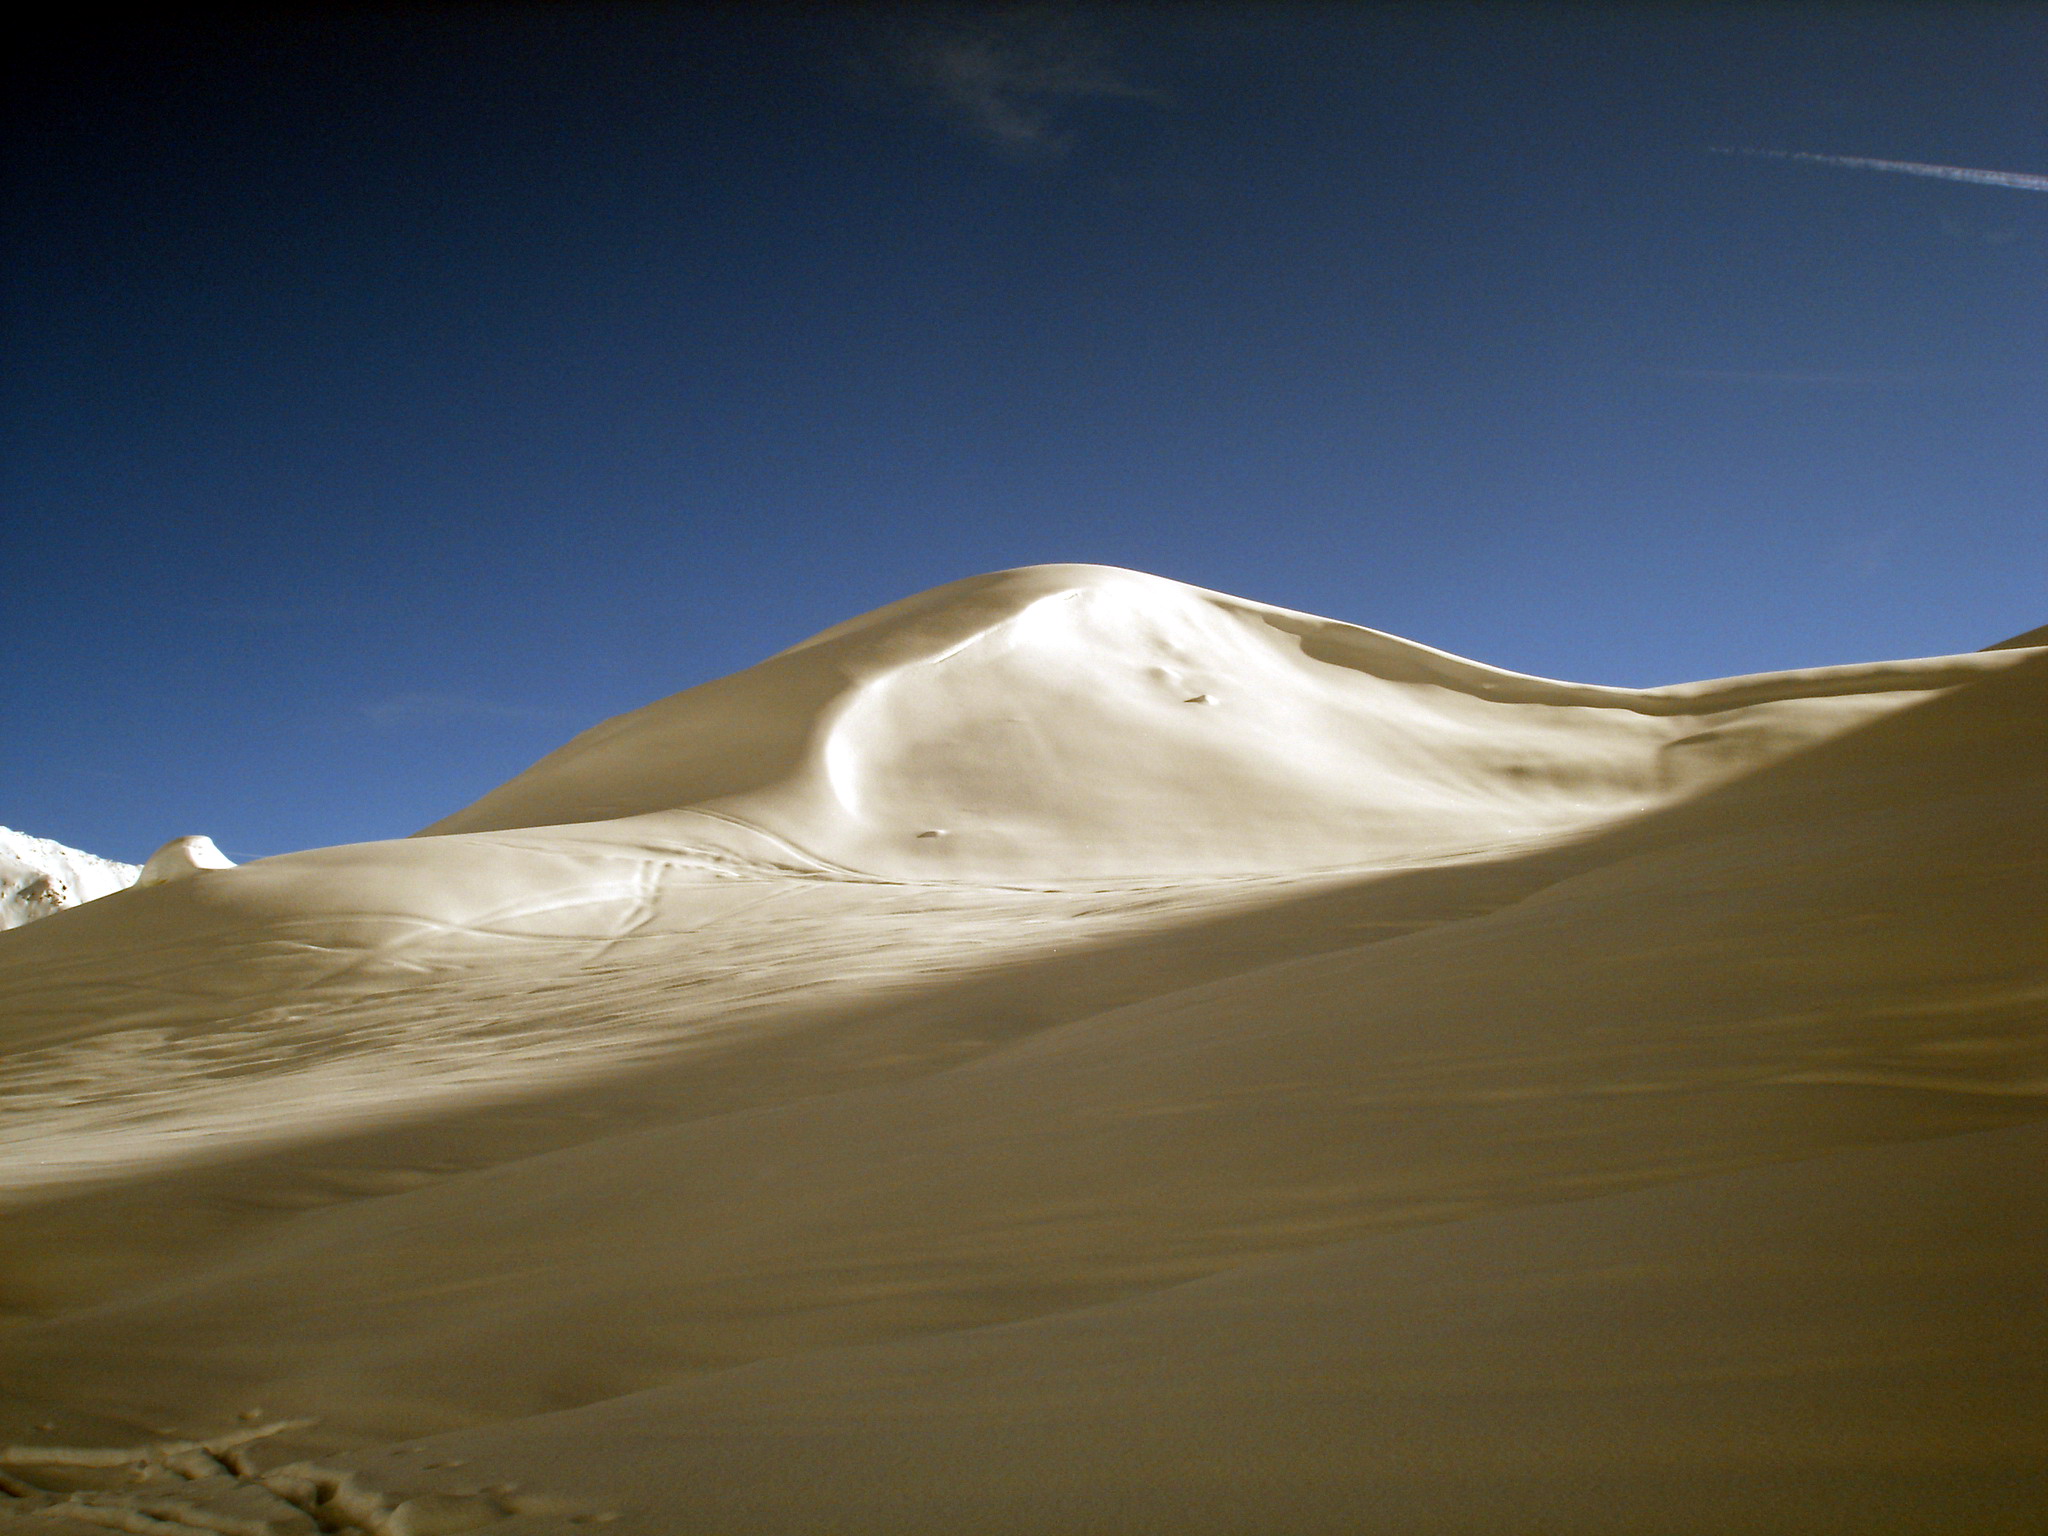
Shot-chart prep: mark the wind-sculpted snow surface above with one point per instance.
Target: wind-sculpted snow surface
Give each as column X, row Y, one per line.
column 1075, row 1053
column 180, row 859
column 1078, row 721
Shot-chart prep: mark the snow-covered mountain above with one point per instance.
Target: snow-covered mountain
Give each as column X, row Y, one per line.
column 1071, row 1051
column 38, row 877
column 1077, row 721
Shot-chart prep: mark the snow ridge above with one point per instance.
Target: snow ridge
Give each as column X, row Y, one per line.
column 39, row 877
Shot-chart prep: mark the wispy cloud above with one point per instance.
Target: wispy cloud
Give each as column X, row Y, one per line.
column 445, row 708
column 1010, row 76
column 2019, row 181
column 1855, row 378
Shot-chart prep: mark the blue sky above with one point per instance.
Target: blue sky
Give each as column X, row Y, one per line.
column 392, row 393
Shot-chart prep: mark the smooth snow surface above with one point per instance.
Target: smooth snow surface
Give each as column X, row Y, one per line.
column 39, row 877
column 1069, row 721
column 1071, row 1053
column 181, row 858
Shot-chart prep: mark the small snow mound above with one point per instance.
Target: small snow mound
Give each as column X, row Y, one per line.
column 39, row 877
column 181, row 858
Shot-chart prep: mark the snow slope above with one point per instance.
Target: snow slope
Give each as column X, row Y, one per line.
column 1396, row 1096
column 1067, row 721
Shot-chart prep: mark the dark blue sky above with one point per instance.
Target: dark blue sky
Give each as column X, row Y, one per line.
column 391, row 394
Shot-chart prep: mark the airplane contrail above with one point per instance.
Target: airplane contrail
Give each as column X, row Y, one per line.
column 2018, row 180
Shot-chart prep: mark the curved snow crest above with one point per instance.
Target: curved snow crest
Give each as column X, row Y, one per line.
column 181, row 858
column 1085, row 721
column 951, row 617
column 39, row 877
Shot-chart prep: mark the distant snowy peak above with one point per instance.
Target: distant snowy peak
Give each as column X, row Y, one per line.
column 38, row 877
